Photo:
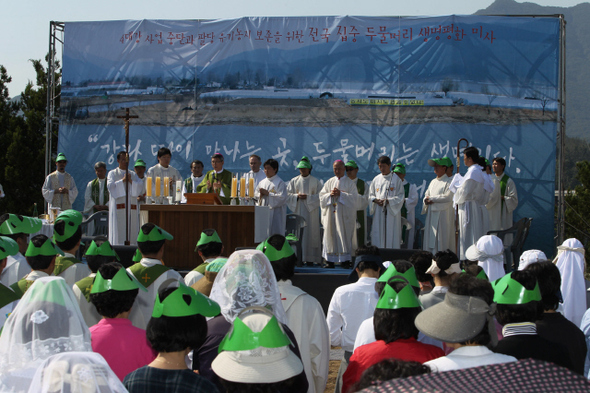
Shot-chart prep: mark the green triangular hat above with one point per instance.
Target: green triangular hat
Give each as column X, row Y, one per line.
column 272, row 253
column 20, row 224
column 392, row 300
column 137, row 256
column 48, row 291
column 351, row 163
column 399, row 168
column 72, row 215
column 304, row 163
column 208, row 236
column 509, row 291
column 482, row 276
column 242, row 338
column 7, row 247
column 48, row 248
column 60, row 157
column 409, row 275
column 156, row 234
column 121, row 281
column 72, row 219
column 140, row 162
column 105, row 249
column 185, row 301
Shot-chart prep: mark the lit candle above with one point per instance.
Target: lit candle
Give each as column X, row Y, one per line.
column 148, row 186
column 251, row 187
column 243, row 186
column 158, row 182
column 166, row 186
column 234, row 187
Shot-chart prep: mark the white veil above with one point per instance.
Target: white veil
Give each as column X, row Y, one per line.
column 571, row 263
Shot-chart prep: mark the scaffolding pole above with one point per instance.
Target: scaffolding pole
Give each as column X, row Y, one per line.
column 561, row 138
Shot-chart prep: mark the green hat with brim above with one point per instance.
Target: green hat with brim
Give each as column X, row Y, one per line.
column 352, row 164
column 509, row 291
column 409, row 275
column 140, row 162
column 447, row 162
column 48, row 248
column 436, row 161
column 392, row 300
column 185, row 301
column 15, row 224
column 400, row 168
column 105, row 250
column 60, row 157
column 121, row 281
column 154, row 235
column 272, row 253
column 304, row 164
column 7, row 247
column 208, row 236
column 137, row 256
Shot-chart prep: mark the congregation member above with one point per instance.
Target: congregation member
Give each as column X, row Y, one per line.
column 362, row 202
column 421, row 260
column 205, row 283
column 439, row 227
column 123, row 345
column 255, row 172
column 571, row 263
column 338, row 201
column 304, row 200
column 177, row 326
column 17, row 228
column 217, row 180
column 67, row 234
column 529, row 257
column 444, row 267
column 190, row 184
column 119, row 198
column 264, row 365
column 553, row 326
column 503, row 200
column 163, row 169
column 585, row 327
column 59, row 188
column 7, row 295
column 463, row 321
column 96, row 196
column 305, row 316
column 386, row 194
column 209, row 247
column 150, row 271
column 488, row 252
column 387, row 370
column 272, row 192
column 408, row 210
column 468, row 190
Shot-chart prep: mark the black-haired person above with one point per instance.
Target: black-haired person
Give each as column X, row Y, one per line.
column 305, row 316
column 40, row 255
column 463, row 321
column 17, row 228
column 190, row 184
column 272, row 192
column 408, row 210
column 439, row 226
column 421, row 260
column 396, row 333
column 554, row 326
column 518, row 300
column 444, row 267
column 163, row 169
column 504, row 198
column 123, row 345
column 178, row 325
column 217, row 180
column 362, row 202
column 150, row 271
column 389, row 369
column 116, row 183
column 67, row 234
column 7, row 295
column 469, row 193
column 97, row 254
column 209, row 247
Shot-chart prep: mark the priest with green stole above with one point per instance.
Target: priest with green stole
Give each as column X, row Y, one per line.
column 151, row 271
column 352, row 170
column 67, row 235
column 7, row 295
column 217, row 180
column 209, row 247
column 40, row 255
column 408, row 210
column 18, row 228
column 96, row 197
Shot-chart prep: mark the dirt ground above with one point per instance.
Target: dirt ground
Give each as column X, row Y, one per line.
column 334, row 366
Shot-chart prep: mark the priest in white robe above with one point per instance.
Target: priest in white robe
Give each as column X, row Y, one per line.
column 504, row 199
column 190, row 184
column 468, row 191
column 408, row 209
column 256, row 172
column 338, row 200
column 272, row 192
column 386, row 194
column 163, row 169
column 439, row 227
column 116, row 180
column 362, row 203
column 59, row 189
column 304, row 200
column 96, row 196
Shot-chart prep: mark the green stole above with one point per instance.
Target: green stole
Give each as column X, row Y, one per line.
column 188, row 185
column 503, row 184
column 21, row 286
column 62, row 263
column 225, row 177
column 95, row 186
column 360, row 216
column 7, row 295
column 201, row 268
column 85, row 285
column 147, row 275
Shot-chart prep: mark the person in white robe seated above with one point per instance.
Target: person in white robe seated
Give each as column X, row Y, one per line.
column 386, row 194
column 163, row 169
column 304, row 200
column 190, row 184
column 18, row 228
column 272, row 192
column 439, row 226
column 338, row 201
column 124, row 187
column 408, row 210
column 59, row 189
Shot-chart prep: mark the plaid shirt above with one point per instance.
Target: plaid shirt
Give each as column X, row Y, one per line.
column 156, row 380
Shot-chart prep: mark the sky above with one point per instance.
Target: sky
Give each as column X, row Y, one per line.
column 25, row 23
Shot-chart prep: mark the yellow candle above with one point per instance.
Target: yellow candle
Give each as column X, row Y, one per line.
column 166, row 186
column 158, row 182
column 148, row 186
column 251, row 187
column 234, row 187
column 243, row 187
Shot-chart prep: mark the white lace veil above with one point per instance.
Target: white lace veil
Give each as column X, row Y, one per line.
column 75, row 372
column 247, row 279
column 46, row 321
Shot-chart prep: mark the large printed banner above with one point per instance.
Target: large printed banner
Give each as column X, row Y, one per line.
column 325, row 87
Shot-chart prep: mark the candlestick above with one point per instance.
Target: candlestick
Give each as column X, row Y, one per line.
column 166, row 186
column 158, row 183
column 251, row 187
column 234, row 187
column 243, row 186
column 148, row 186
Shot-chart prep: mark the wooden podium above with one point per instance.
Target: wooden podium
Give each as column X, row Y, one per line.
column 202, row 199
